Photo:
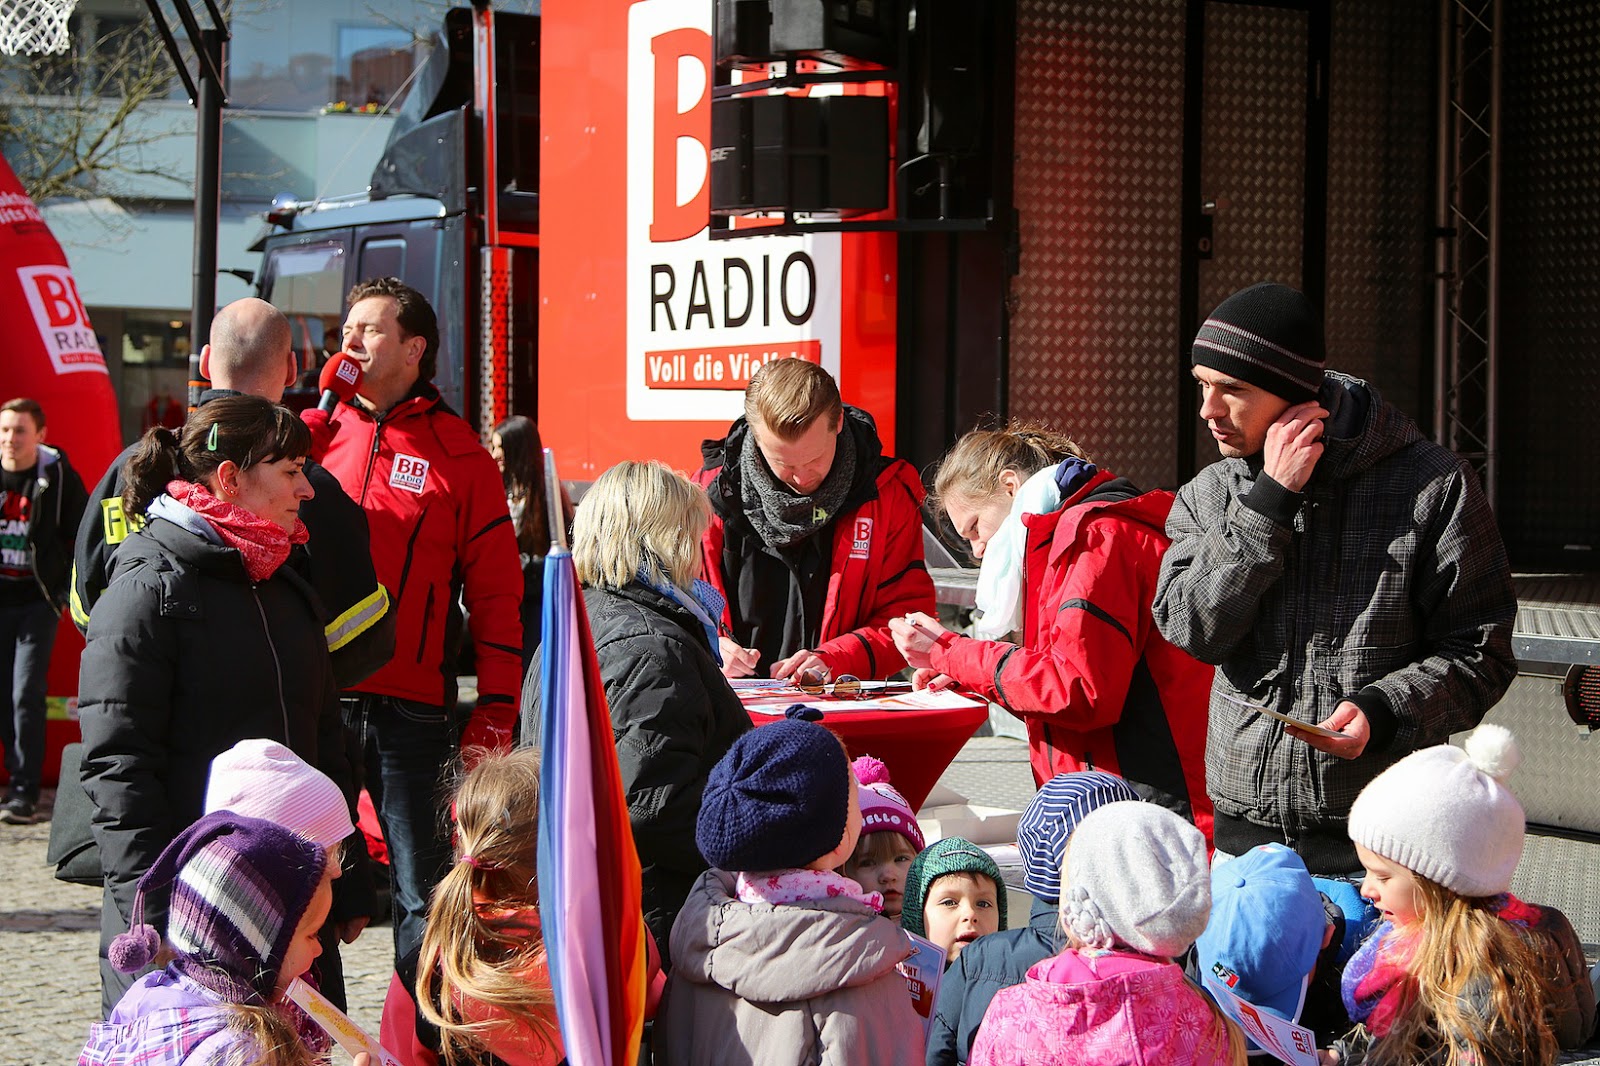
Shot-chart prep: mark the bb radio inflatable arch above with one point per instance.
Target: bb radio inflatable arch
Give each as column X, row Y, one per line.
column 52, row 354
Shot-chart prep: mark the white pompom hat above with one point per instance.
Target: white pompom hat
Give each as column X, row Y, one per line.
column 1447, row 814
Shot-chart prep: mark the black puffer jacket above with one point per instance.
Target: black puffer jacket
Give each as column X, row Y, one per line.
column 359, row 621
column 673, row 716
column 186, row 657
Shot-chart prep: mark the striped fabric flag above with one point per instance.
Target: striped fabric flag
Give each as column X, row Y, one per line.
column 591, row 911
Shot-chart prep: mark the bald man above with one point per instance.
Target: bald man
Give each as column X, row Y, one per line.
column 251, row 353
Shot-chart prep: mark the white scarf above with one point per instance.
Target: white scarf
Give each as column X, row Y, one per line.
column 999, row 597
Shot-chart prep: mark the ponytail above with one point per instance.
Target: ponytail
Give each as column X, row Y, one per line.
column 156, row 460
column 467, row 954
column 972, row 468
column 243, row 430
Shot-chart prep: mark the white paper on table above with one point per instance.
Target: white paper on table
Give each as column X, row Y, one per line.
column 1278, row 1037
column 337, row 1024
column 923, row 970
column 927, row 700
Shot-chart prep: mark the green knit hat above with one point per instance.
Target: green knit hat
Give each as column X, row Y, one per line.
column 952, row 855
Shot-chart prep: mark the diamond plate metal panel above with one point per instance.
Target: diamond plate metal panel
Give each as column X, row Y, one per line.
column 1550, row 275
column 1560, row 773
column 1099, row 128
column 1253, row 147
column 1379, row 180
column 1253, row 151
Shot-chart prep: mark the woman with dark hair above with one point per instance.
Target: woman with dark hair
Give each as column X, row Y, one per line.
column 202, row 638
column 519, row 453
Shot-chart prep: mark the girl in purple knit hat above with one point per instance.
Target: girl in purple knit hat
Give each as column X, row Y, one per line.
column 247, row 898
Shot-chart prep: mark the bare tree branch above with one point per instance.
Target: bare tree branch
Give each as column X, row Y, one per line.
column 71, row 125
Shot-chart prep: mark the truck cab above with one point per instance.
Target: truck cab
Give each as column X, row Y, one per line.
column 469, row 124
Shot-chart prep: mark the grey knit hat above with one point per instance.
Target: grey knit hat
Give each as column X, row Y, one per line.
column 1137, row 875
column 1268, row 335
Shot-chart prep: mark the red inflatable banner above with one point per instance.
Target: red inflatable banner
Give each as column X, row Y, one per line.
column 52, row 355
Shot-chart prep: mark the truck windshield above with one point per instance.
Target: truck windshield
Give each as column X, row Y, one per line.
column 306, row 283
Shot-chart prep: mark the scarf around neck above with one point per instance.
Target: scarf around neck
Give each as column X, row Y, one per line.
column 780, row 517
column 263, row 545
column 778, row 887
column 1377, row 985
column 702, row 600
column 999, row 595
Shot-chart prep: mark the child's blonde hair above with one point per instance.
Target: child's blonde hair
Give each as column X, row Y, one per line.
column 272, row 1034
column 1465, row 954
column 465, row 956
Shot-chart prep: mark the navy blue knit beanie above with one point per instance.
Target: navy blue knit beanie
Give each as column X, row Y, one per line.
column 779, row 799
column 1268, row 335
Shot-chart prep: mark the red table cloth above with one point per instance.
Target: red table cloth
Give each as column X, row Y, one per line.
column 916, row 745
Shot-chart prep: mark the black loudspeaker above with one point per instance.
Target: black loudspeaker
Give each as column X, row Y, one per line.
column 950, row 42
column 799, row 153
column 846, row 33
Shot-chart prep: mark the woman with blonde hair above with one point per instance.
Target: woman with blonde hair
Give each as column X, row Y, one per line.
column 636, row 547
column 1070, row 555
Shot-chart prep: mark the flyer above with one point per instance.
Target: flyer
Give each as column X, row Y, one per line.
column 923, row 971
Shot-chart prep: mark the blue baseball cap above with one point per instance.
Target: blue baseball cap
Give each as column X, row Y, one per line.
column 1266, row 929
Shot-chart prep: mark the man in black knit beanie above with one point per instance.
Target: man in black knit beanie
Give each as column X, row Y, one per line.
column 1337, row 567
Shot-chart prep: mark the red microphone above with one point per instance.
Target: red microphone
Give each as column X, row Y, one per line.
column 340, row 380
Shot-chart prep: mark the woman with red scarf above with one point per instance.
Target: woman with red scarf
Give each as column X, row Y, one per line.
column 203, row 638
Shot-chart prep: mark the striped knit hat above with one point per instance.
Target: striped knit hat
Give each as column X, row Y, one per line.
column 263, row 779
column 1268, row 335
column 239, row 888
column 952, row 855
column 1053, row 814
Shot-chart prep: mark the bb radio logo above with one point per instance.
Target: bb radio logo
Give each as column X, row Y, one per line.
column 61, row 318
column 409, row 472
column 861, row 538
column 704, row 315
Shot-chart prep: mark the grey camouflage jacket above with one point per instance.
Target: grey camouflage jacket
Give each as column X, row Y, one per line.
column 1385, row 582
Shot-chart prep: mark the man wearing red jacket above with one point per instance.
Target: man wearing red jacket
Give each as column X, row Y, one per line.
column 816, row 535
column 440, row 529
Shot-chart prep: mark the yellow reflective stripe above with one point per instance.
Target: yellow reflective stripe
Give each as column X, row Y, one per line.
column 358, row 619
column 114, row 523
column 79, row 615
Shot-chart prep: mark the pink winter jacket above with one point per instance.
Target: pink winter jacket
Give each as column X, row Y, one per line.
column 1119, row 1009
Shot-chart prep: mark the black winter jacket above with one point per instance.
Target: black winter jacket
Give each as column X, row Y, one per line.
column 57, row 505
column 337, row 560
column 186, row 657
column 673, row 716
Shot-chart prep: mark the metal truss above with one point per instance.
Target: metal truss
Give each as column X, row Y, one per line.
column 1466, row 235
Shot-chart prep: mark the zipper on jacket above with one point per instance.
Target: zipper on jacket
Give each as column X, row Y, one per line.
column 427, row 621
column 33, row 533
column 372, row 458
column 277, row 666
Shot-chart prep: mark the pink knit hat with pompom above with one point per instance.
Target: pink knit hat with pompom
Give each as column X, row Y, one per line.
column 883, row 809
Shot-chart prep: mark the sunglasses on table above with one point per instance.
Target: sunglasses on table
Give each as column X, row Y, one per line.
column 816, row 683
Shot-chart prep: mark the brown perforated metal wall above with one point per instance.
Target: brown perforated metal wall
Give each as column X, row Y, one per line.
column 1099, row 127
column 1550, row 285
column 1380, row 124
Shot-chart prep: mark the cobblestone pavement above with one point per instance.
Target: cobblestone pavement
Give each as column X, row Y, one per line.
column 49, row 980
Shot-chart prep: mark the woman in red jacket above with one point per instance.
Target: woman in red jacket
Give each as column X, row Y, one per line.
column 1069, row 557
